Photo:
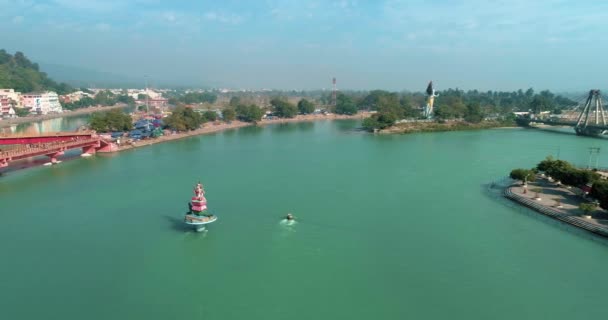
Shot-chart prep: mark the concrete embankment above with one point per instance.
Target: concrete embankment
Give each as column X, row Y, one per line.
column 566, row 210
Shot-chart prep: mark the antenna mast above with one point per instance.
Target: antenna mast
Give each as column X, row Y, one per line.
column 333, row 92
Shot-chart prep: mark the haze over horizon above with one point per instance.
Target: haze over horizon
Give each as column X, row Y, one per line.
column 282, row 44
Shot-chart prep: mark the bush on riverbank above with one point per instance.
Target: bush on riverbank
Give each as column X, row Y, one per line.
column 379, row 121
column 566, row 173
column 523, row 174
column 249, row 113
column 600, row 192
column 283, row 109
column 183, row 119
column 113, row 120
column 306, row 107
column 229, row 114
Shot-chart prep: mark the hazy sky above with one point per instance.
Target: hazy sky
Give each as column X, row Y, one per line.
column 284, row 44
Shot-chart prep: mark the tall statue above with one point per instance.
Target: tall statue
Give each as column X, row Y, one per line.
column 430, row 100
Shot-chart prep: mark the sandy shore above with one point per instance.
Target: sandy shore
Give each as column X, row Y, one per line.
column 66, row 113
column 212, row 128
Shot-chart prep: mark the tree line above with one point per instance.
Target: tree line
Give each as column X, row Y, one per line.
column 453, row 104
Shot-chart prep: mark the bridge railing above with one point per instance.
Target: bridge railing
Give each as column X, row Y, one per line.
column 50, row 134
column 49, row 146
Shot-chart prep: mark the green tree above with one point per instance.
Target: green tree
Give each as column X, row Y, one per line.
column 542, row 102
column 587, row 208
column 105, row 98
column 599, row 191
column 345, row 105
column 306, row 107
column 113, row 120
column 235, row 101
column 142, row 96
column 126, row 99
column 198, row 97
column 283, row 108
column 473, row 113
column 567, row 173
column 21, row 112
column 379, row 121
column 229, row 114
column 523, row 175
column 183, row 119
column 249, row 113
column 209, row 116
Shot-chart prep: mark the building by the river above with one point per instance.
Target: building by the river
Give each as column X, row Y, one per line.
column 42, row 102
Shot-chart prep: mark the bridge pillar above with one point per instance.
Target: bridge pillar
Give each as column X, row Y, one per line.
column 89, row 149
column 54, row 156
column 107, row 146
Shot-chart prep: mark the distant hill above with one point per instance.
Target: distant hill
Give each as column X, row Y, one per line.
column 19, row 73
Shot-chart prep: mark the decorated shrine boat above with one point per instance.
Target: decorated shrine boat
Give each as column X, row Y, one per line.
column 198, row 216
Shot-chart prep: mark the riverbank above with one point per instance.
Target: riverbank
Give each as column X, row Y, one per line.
column 221, row 126
column 66, row 113
column 415, row 127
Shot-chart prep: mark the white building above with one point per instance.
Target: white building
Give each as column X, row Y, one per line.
column 152, row 94
column 6, row 107
column 42, row 102
column 13, row 95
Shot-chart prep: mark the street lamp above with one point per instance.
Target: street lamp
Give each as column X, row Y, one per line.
column 526, row 183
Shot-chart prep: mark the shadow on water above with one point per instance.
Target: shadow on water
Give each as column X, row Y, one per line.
column 347, row 125
column 283, row 127
column 177, row 224
column 37, row 162
column 251, row 130
column 305, row 126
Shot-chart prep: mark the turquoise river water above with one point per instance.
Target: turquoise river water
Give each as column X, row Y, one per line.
column 390, row 227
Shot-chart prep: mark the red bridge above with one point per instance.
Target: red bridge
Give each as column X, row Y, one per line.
column 51, row 145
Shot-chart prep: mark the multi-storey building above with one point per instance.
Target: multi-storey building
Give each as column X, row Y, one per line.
column 6, row 107
column 13, row 95
column 42, row 102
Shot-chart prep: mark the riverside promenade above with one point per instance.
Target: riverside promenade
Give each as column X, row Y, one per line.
column 560, row 203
